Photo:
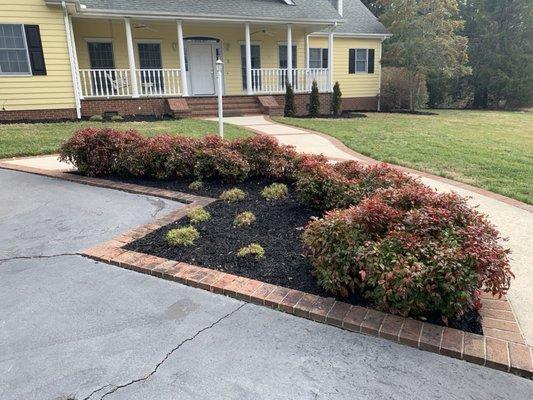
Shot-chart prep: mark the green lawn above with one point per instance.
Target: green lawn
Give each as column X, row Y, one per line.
column 33, row 139
column 488, row 149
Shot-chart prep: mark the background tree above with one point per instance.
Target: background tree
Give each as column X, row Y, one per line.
column 314, row 101
column 375, row 6
column 426, row 40
column 500, row 51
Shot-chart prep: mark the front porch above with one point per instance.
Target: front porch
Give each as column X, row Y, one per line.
column 123, row 58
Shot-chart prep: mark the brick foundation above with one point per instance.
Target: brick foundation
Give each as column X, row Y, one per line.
column 38, row 115
column 301, row 101
column 360, row 103
column 124, row 106
column 159, row 107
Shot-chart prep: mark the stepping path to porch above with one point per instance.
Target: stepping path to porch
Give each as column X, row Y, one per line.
column 513, row 218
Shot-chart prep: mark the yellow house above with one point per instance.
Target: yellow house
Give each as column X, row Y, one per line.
column 74, row 58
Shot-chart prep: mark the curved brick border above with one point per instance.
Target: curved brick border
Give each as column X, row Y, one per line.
column 368, row 160
column 502, row 347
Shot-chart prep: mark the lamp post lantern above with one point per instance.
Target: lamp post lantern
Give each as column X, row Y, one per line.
column 220, row 67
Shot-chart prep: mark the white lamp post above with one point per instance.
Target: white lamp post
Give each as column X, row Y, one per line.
column 220, row 66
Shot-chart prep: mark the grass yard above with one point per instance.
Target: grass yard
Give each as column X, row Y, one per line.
column 488, row 149
column 45, row 138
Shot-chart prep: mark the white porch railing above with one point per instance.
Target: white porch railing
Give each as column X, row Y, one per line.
column 108, row 83
column 159, row 82
column 117, row 82
column 274, row 80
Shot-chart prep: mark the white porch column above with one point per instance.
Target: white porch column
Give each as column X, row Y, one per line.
column 131, row 59
column 289, row 53
column 73, row 67
column 330, row 61
column 249, row 83
column 183, row 70
column 307, row 51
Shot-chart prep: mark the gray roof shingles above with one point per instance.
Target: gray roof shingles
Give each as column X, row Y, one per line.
column 356, row 19
column 359, row 20
column 304, row 10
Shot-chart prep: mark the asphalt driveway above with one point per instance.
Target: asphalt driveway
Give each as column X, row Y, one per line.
column 70, row 326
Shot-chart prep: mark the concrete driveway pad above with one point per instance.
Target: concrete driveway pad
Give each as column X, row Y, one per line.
column 70, row 326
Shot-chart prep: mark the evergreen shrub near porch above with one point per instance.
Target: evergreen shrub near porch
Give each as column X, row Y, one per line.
column 383, row 235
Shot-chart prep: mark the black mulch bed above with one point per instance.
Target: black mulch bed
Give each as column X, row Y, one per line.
column 278, row 229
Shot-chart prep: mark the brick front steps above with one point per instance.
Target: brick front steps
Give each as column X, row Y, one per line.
column 502, row 346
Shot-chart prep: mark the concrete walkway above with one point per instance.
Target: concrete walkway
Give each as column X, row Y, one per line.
column 73, row 327
column 515, row 223
column 47, row 162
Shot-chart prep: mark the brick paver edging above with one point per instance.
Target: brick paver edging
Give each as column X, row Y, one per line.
column 502, row 347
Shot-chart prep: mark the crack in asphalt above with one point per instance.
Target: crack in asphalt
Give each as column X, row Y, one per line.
column 154, row 370
column 158, row 204
column 39, row 256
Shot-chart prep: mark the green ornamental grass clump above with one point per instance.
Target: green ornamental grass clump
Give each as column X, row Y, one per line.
column 182, row 236
column 254, row 249
column 275, row 191
column 199, row 215
column 244, row 219
column 96, row 118
column 117, row 118
column 233, row 195
column 196, row 185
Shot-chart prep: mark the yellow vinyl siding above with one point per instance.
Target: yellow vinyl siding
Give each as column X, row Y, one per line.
column 358, row 84
column 53, row 90
column 231, row 35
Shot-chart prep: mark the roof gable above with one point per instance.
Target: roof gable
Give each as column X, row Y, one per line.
column 358, row 19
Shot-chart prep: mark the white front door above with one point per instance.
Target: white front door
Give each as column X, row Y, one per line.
column 201, row 68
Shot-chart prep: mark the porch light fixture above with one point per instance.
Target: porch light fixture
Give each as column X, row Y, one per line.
column 220, row 66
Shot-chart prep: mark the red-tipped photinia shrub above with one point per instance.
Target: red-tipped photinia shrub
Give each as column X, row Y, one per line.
column 161, row 157
column 266, row 156
column 215, row 159
column 411, row 251
column 95, row 151
column 319, row 186
column 325, row 186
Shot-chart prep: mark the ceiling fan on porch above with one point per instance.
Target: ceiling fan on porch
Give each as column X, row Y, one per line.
column 264, row 31
column 144, row 26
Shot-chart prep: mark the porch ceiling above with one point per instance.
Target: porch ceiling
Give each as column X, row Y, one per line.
column 305, row 11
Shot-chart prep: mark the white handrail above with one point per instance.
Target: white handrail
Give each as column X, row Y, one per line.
column 274, row 80
column 159, row 82
column 109, row 83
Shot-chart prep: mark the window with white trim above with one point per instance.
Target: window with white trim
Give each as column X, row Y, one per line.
column 13, row 50
column 282, row 55
column 318, row 58
column 361, row 60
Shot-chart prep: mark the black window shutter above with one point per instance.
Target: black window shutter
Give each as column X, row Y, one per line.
column 325, row 58
column 35, row 49
column 351, row 62
column 371, row 58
